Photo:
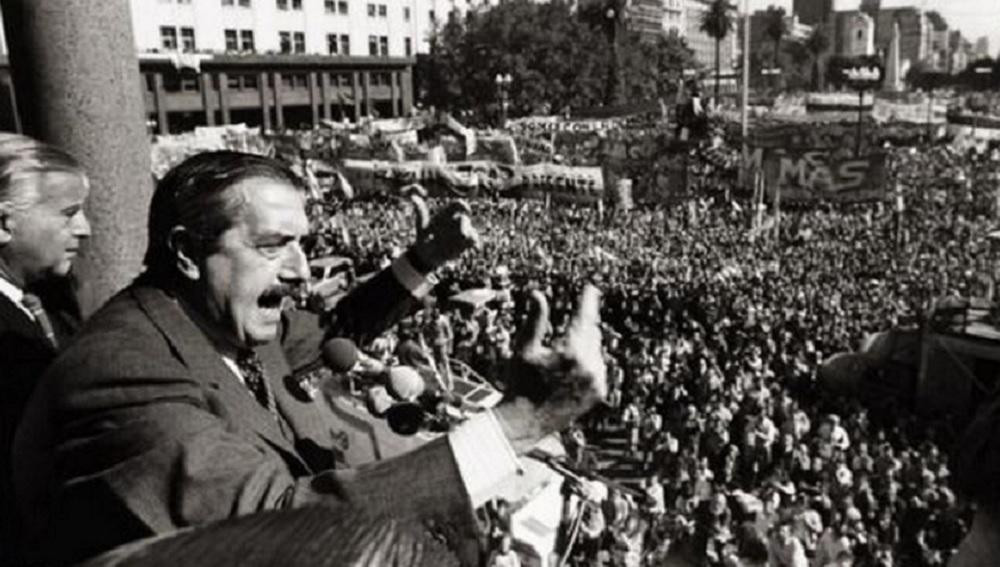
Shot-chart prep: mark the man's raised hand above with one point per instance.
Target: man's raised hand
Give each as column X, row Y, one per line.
column 550, row 386
column 445, row 236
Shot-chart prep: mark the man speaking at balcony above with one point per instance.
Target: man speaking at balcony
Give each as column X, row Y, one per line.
column 171, row 408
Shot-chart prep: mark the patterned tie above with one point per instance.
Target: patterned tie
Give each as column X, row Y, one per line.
column 33, row 304
column 252, row 369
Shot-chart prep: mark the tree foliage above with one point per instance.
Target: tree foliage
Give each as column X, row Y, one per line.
column 556, row 57
column 816, row 44
column 775, row 28
column 717, row 22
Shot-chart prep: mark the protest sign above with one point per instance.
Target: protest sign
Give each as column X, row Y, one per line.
column 822, row 175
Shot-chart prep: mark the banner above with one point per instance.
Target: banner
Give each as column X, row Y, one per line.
column 466, row 179
column 823, row 175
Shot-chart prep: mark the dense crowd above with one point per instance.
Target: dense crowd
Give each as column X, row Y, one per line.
column 713, row 332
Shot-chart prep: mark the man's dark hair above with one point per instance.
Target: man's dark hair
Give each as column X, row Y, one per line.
column 195, row 194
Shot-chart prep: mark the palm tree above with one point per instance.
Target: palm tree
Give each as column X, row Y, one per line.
column 717, row 22
column 817, row 44
column 775, row 29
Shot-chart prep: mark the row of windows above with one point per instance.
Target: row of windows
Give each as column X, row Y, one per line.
column 174, row 82
column 168, row 38
column 289, row 42
column 331, row 6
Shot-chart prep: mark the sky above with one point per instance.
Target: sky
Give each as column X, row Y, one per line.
column 974, row 17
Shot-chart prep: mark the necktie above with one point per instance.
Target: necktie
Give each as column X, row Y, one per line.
column 33, row 304
column 252, row 369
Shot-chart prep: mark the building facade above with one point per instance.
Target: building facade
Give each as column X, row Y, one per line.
column 647, row 17
column 855, row 34
column 813, row 12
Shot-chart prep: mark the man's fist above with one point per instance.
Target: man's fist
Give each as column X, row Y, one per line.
column 443, row 238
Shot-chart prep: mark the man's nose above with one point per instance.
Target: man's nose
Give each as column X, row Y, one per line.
column 296, row 266
column 80, row 226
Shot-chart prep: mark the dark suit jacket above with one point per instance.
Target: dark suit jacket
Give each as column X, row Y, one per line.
column 24, row 356
column 139, row 428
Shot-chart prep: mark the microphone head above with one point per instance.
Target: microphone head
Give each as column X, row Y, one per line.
column 340, row 355
column 404, row 383
column 378, row 401
column 405, row 418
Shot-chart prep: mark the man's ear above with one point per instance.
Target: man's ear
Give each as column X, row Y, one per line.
column 6, row 223
column 187, row 250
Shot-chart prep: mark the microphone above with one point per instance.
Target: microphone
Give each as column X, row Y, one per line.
column 340, row 355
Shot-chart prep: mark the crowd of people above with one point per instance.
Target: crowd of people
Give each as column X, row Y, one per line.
column 713, row 333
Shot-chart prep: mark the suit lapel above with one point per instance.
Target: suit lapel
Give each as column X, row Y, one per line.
column 205, row 364
column 18, row 322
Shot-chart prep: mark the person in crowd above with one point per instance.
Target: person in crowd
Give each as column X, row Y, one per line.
column 42, row 228
column 171, row 408
column 504, row 556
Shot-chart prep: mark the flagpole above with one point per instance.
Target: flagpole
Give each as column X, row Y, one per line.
column 745, row 95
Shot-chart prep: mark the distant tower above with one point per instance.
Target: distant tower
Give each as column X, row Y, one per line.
column 872, row 8
column 813, row 12
column 893, row 78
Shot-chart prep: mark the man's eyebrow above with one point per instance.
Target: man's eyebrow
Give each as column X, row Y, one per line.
column 71, row 209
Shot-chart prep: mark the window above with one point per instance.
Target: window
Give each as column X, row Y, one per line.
column 168, row 38
column 332, row 44
column 383, row 11
column 228, row 2
column 232, row 41
column 296, row 4
column 431, row 17
column 345, row 44
column 342, row 7
column 300, row 42
column 285, row 41
column 282, row 4
column 246, row 40
column 383, row 46
column 245, row 3
column 371, row 10
column 372, row 45
column 408, row 46
column 406, row 13
column 183, row 1
column 187, row 40
column 861, row 34
column 330, row 6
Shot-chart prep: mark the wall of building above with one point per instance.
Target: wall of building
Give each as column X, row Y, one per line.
column 855, row 35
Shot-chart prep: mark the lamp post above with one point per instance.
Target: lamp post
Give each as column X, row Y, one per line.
column 503, row 82
column 862, row 79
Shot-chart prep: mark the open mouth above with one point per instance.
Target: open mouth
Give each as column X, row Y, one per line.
column 279, row 298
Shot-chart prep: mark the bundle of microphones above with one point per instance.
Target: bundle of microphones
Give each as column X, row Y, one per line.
column 398, row 393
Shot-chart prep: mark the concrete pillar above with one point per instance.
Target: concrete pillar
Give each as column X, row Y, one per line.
column 279, row 108
column 406, row 86
column 394, row 93
column 325, row 93
column 265, row 111
column 367, row 77
column 224, row 98
column 76, row 75
column 205, row 83
column 356, row 95
column 160, row 98
column 313, row 98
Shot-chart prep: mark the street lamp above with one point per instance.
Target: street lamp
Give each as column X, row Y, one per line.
column 503, row 82
column 861, row 79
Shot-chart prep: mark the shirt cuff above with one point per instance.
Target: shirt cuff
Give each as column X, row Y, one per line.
column 419, row 285
column 484, row 456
